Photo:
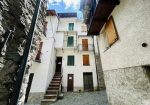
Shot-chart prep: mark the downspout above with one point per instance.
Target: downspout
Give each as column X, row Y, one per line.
column 21, row 71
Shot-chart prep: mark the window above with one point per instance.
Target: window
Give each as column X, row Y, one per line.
column 85, row 44
column 71, row 27
column 86, row 60
column 70, row 61
column 70, row 41
column 38, row 56
column 110, row 31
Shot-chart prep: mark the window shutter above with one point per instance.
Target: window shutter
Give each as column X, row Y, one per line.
column 111, row 31
column 86, row 60
column 70, row 60
column 71, row 27
column 70, row 41
column 38, row 56
column 85, row 44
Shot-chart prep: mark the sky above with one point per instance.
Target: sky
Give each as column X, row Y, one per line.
column 62, row 6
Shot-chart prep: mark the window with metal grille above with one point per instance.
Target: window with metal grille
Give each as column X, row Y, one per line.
column 70, row 61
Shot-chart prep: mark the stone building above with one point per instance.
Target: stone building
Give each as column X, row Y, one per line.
column 15, row 22
column 122, row 28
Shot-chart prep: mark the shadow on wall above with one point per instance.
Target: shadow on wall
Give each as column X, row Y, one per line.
column 147, row 71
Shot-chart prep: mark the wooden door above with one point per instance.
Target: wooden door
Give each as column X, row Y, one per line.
column 58, row 64
column 85, row 44
column 70, row 83
column 29, row 86
column 86, row 60
column 88, row 81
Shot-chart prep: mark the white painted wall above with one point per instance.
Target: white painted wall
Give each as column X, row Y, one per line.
column 132, row 22
column 44, row 71
column 78, row 69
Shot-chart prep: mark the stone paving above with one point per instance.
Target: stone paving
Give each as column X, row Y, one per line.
column 87, row 98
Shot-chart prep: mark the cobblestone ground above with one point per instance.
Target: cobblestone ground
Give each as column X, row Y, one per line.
column 87, row 98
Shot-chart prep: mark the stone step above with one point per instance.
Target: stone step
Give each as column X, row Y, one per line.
column 53, row 88
column 54, row 85
column 52, row 92
column 50, row 96
column 49, row 100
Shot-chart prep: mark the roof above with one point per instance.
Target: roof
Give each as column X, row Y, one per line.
column 51, row 13
column 67, row 15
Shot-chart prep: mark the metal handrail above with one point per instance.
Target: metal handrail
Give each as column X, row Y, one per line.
column 24, row 61
column 89, row 47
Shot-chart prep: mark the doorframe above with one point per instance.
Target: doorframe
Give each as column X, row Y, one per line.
column 61, row 63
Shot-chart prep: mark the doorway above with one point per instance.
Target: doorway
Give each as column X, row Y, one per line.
column 29, row 86
column 70, row 82
column 58, row 64
column 88, row 81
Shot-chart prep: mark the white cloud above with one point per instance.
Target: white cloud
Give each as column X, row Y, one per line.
column 74, row 3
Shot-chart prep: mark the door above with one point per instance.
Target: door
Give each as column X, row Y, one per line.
column 29, row 86
column 58, row 64
column 85, row 44
column 70, row 83
column 88, row 81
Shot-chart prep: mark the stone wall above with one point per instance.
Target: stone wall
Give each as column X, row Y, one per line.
column 128, row 86
column 18, row 14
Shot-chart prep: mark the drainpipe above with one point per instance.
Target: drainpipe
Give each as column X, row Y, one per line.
column 14, row 100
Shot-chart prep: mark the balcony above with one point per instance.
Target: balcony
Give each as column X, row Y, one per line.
column 88, row 47
column 99, row 14
column 69, row 46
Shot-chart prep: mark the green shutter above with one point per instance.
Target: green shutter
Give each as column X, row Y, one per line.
column 70, row 41
column 71, row 27
column 70, row 60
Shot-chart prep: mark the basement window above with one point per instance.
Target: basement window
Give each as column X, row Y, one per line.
column 110, row 35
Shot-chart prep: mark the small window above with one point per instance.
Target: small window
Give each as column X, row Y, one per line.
column 71, row 27
column 38, row 56
column 70, row 61
column 70, row 41
column 86, row 60
column 110, row 31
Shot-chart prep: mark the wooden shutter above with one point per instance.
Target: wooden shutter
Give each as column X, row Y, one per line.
column 38, row 56
column 85, row 44
column 71, row 26
column 86, row 60
column 111, row 31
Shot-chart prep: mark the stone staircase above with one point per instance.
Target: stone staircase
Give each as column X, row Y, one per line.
column 53, row 90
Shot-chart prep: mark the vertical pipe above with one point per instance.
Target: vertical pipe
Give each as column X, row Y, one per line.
column 22, row 68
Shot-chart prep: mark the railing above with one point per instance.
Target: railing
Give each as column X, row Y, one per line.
column 65, row 45
column 89, row 47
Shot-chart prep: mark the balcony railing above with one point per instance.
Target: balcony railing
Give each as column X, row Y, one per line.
column 89, row 47
column 66, row 45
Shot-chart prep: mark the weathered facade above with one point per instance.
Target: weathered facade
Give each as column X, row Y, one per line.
column 15, row 19
column 124, row 47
